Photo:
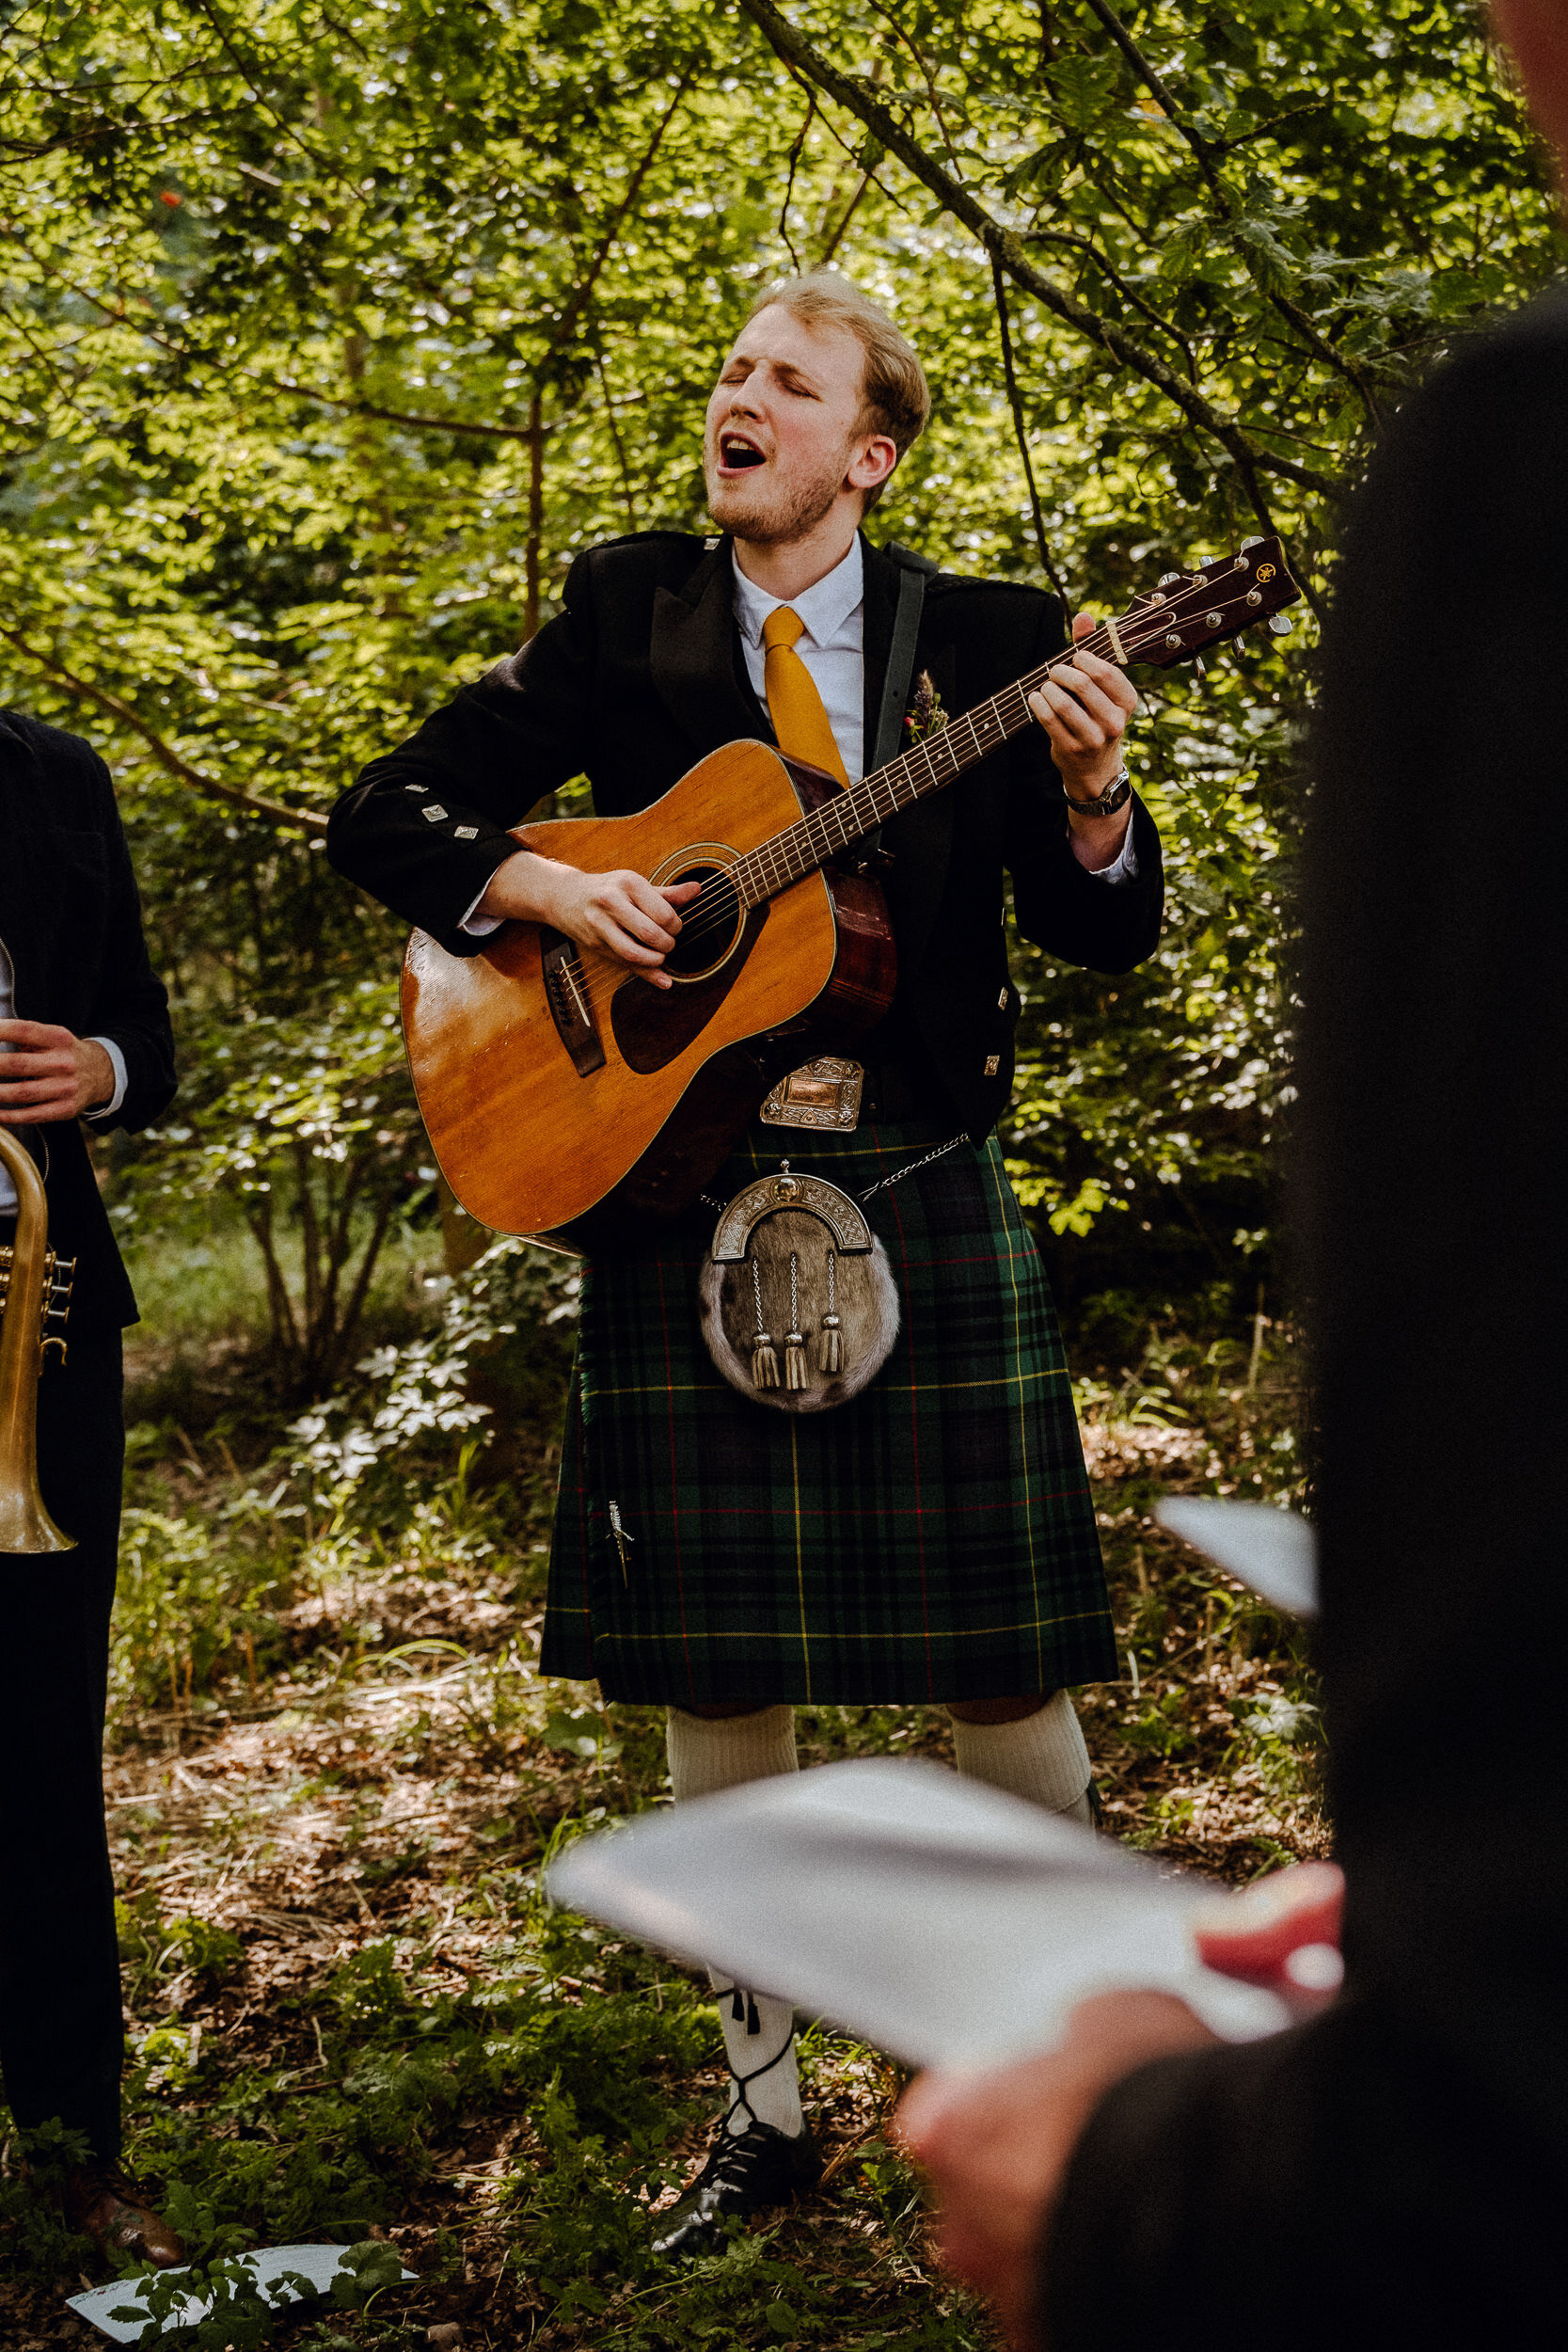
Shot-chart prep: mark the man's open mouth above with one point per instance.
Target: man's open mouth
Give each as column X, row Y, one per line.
column 736, row 455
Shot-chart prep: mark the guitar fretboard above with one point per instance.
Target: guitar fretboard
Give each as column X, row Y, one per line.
column 804, row 847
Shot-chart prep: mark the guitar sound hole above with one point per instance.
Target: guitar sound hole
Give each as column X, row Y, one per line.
column 710, row 924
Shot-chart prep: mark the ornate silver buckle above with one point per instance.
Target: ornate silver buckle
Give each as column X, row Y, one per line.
column 821, row 1093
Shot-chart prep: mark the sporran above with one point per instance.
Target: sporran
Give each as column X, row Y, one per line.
column 796, row 1297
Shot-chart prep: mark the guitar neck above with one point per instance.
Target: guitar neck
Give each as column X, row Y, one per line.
column 1174, row 622
column 927, row 767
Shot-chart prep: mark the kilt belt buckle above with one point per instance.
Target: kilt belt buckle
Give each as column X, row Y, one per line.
column 821, row 1093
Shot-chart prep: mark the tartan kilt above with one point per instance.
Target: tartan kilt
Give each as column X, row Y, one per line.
column 931, row 1539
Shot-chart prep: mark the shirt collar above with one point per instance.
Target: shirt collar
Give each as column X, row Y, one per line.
column 824, row 607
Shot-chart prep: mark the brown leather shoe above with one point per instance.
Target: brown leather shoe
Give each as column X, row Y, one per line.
column 101, row 2204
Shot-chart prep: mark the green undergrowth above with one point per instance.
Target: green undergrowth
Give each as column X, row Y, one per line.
column 336, row 1780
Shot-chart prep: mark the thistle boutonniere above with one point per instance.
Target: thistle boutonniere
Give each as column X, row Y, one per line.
column 924, row 715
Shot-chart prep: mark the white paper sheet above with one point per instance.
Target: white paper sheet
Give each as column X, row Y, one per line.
column 319, row 2263
column 939, row 1920
column 1275, row 1552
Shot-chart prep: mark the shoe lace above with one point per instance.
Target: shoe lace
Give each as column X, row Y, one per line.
column 745, row 2007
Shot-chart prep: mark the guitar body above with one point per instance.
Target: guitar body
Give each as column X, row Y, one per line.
column 554, row 1082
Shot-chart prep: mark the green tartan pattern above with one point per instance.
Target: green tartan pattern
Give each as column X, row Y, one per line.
column 932, row 1539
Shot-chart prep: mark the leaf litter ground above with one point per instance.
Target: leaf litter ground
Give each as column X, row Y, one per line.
column 353, row 2016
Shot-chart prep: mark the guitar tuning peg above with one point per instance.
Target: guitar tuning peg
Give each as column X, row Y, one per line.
column 1169, row 580
column 1252, row 543
column 1200, row 667
column 1281, row 624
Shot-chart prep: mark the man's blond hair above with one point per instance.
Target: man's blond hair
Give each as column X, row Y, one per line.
column 895, row 398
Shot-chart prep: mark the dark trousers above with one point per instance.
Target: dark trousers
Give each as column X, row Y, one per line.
column 61, row 2037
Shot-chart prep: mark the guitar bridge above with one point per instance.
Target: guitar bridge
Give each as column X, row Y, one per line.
column 571, row 1009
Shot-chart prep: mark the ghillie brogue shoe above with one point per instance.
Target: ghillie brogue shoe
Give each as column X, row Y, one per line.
column 745, row 2173
column 100, row 2203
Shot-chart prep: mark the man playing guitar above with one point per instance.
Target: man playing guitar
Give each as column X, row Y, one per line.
column 933, row 1540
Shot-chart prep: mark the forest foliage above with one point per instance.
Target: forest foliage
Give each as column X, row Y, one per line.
column 331, row 330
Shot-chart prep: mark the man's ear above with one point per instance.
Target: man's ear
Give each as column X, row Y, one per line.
column 872, row 462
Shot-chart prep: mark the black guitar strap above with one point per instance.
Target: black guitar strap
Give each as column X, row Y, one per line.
column 913, row 572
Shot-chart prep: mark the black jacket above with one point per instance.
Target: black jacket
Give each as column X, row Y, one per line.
column 1397, row 2172
column 72, row 922
column 643, row 674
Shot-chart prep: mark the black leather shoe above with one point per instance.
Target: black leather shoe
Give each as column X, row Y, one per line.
column 746, row 2172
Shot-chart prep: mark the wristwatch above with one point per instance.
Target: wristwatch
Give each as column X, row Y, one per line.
column 1115, row 795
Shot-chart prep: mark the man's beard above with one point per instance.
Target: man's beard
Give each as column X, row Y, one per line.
column 767, row 514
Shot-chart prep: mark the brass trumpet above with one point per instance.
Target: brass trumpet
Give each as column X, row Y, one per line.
column 35, row 1287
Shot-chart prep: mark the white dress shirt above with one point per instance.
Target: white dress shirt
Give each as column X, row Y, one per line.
column 832, row 647
column 101, row 1110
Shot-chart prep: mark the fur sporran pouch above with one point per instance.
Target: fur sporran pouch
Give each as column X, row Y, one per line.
column 797, row 1301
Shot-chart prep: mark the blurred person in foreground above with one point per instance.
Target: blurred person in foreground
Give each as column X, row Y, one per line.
column 1394, row 2172
column 83, row 1037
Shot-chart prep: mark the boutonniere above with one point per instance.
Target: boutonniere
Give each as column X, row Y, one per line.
column 924, row 715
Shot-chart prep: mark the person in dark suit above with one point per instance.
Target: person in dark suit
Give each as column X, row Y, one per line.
column 84, row 1038
column 1396, row 2171
column 933, row 1539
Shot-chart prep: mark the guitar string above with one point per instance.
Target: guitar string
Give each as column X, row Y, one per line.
column 725, row 905
column 720, row 904
column 812, row 831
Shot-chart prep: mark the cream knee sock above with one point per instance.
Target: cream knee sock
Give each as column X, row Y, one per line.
column 705, row 1756
column 1043, row 1759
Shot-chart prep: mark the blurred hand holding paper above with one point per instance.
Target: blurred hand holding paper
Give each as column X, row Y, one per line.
column 939, row 1920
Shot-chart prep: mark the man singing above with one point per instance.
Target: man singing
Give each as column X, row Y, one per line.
column 84, row 1034
column 931, row 1541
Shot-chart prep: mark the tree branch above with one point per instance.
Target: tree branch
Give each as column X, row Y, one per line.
column 1006, row 248
column 1203, row 153
column 1015, row 402
column 568, row 323
column 164, row 753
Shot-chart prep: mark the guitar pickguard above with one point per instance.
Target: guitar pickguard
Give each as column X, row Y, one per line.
column 653, row 1026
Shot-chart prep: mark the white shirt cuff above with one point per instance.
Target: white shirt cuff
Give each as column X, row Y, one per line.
column 108, row 1110
column 1123, row 867
column 479, row 926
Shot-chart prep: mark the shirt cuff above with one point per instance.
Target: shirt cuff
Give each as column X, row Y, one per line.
column 108, row 1110
column 479, row 926
column 1122, row 869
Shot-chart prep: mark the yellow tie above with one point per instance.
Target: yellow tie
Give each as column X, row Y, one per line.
column 794, row 705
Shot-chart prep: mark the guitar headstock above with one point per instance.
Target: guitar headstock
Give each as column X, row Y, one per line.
column 1192, row 610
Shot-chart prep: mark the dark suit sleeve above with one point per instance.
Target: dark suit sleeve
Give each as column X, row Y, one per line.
column 1395, row 2172
column 131, row 1004
column 1059, row 904
column 425, row 827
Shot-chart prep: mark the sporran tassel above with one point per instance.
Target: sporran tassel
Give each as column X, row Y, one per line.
column 795, row 1338
column 764, row 1362
column 833, row 1349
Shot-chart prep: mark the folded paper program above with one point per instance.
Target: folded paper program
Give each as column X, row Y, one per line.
column 940, row 1920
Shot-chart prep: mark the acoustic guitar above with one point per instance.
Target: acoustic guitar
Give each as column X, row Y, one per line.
column 555, row 1083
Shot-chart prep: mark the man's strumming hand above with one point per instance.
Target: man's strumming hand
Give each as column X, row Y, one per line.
column 622, row 912
column 1083, row 706
column 49, row 1075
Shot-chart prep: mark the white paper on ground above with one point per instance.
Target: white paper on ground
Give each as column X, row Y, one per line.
column 1275, row 1552
column 940, row 1920
column 319, row 2263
